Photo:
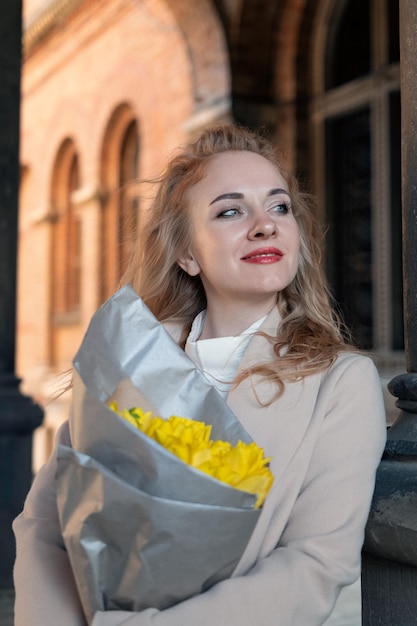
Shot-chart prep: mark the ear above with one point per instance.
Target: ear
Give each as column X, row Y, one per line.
column 188, row 263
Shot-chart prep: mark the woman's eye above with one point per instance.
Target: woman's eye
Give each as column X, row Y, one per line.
column 229, row 212
column 280, row 207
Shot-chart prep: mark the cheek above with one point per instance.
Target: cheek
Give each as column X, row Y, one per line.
column 210, row 242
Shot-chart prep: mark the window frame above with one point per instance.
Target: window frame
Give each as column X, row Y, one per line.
column 373, row 91
column 119, row 195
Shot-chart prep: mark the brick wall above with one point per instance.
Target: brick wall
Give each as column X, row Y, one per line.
column 104, row 55
column 174, row 66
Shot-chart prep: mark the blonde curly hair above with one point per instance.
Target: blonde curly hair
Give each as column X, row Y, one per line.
column 310, row 334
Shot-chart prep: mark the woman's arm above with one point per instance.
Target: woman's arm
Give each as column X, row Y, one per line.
column 45, row 589
column 319, row 551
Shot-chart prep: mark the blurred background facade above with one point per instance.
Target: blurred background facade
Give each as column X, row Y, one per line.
column 111, row 87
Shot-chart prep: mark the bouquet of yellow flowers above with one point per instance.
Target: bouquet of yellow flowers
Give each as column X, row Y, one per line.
column 242, row 466
column 152, row 510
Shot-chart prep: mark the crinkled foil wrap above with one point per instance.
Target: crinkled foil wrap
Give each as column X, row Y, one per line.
column 142, row 528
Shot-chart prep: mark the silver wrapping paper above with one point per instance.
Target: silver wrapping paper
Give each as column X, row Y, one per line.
column 141, row 527
column 126, row 342
column 130, row 550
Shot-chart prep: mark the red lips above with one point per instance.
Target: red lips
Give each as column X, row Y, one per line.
column 263, row 256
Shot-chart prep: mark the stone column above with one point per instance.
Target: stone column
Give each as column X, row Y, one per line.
column 389, row 579
column 19, row 416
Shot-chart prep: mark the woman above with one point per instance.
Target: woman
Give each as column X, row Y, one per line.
column 229, row 262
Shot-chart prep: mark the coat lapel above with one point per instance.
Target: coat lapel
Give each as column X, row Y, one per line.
column 278, row 426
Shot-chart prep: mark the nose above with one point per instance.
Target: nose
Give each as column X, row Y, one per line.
column 263, row 228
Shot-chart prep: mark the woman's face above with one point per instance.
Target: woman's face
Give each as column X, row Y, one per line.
column 245, row 240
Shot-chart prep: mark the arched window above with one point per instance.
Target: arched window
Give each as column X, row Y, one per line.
column 120, row 204
column 348, row 54
column 356, row 113
column 66, row 238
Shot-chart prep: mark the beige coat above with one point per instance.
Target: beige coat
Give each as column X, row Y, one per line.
column 325, row 436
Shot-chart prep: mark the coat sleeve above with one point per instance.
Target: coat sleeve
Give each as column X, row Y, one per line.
column 45, row 589
column 318, row 553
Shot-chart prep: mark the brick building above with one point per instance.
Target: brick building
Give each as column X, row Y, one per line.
column 109, row 90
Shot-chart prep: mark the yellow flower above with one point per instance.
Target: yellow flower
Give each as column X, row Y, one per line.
column 242, row 466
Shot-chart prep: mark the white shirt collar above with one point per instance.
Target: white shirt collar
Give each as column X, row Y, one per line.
column 218, row 358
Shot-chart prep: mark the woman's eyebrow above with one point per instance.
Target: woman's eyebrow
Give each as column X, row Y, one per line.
column 232, row 195
column 236, row 195
column 278, row 191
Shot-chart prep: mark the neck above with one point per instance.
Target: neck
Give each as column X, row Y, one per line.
column 232, row 320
